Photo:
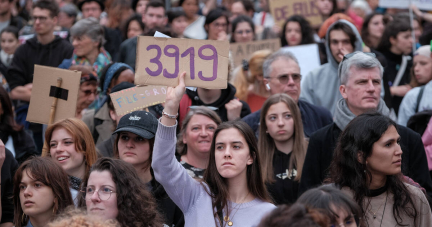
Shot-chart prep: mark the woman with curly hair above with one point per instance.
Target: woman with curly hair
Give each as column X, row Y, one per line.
column 296, row 31
column 367, row 165
column 41, row 191
column 114, row 191
column 78, row 218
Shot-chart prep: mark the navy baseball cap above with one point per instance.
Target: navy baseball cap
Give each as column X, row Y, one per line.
column 141, row 123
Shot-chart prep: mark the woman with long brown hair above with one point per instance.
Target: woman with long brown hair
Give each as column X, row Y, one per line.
column 282, row 147
column 113, row 191
column 69, row 143
column 41, row 191
column 232, row 190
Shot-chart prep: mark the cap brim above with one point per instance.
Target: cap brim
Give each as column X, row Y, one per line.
column 139, row 131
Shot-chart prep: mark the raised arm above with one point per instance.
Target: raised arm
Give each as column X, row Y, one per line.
column 181, row 188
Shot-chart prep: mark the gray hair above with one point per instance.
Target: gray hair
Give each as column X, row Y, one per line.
column 91, row 28
column 70, row 9
column 276, row 56
column 359, row 60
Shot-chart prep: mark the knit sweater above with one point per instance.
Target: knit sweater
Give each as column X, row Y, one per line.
column 384, row 214
column 190, row 195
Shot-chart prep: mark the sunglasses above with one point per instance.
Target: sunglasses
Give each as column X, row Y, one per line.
column 348, row 56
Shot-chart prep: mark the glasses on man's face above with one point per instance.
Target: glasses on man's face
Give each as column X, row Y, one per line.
column 223, row 25
column 283, row 79
column 41, row 19
column 90, row 92
column 104, row 193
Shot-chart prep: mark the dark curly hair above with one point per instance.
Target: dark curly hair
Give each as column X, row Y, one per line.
column 346, row 170
column 306, row 30
column 136, row 206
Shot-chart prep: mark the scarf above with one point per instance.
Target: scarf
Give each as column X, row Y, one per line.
column 102, row 60
column 5, row 58
column 74, row 182
column 343, row 114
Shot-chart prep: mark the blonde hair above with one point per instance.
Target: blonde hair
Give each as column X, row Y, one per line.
column 267, row 145
column 78, row 218
column 242, row 80
column 81, row 135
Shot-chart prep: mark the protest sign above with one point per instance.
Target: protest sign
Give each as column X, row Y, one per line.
column 45, row 90
column 404, row 4
column 283, row 9
column 244, row 51
column 307, row 56
column 160, row 60
column 137, row 98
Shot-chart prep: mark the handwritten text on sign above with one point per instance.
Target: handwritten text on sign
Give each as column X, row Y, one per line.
column 244, row 51
column 137, row 98
column 160, row 60
column 283, row 9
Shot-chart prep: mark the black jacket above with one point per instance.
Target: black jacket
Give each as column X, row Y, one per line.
column 8, row 170
column 171, row 213
column 313, row 118
column 390, row 71
column 323, row 142
column 226, row 96
column 20, row 72
column 18, row 22
column 112, row 42
column 23, row 144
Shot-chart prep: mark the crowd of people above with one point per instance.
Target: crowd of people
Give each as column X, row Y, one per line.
column 347, row 144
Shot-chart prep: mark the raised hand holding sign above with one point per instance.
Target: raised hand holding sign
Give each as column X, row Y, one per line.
column 159, row 61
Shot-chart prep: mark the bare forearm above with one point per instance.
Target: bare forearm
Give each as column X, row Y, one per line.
column 400, row 90
column 21, row 93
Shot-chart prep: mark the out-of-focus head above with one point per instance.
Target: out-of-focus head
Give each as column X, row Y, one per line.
column 45, row 16
column 422, row 67
column 91, row 8
column 335, row 204
column 154, row 15
column 243, row 29
column 216, row 22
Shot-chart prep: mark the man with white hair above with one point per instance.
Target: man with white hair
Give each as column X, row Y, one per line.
column 282, row 75
column 360, row 77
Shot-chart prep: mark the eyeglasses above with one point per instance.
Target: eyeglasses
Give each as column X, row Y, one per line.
column 89, row 92
column 243, row 31
column 104, row 193
column 41, row 19
column 283, row 79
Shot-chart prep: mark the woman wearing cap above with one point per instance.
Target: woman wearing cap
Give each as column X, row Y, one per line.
column 87, row 40
column 421, row 77
column 70, row 144
column 232, row 191
column 98, row 120
column 134, row 145
column 194, row 139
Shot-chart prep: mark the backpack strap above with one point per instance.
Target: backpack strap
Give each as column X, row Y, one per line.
column 185, row 102
column 419, row 97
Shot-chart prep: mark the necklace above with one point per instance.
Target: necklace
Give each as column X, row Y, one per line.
column 227, row 219
column 374, row 213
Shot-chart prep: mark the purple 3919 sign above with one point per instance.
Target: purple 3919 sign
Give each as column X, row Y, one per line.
column 160, row 60
column 283, row 9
